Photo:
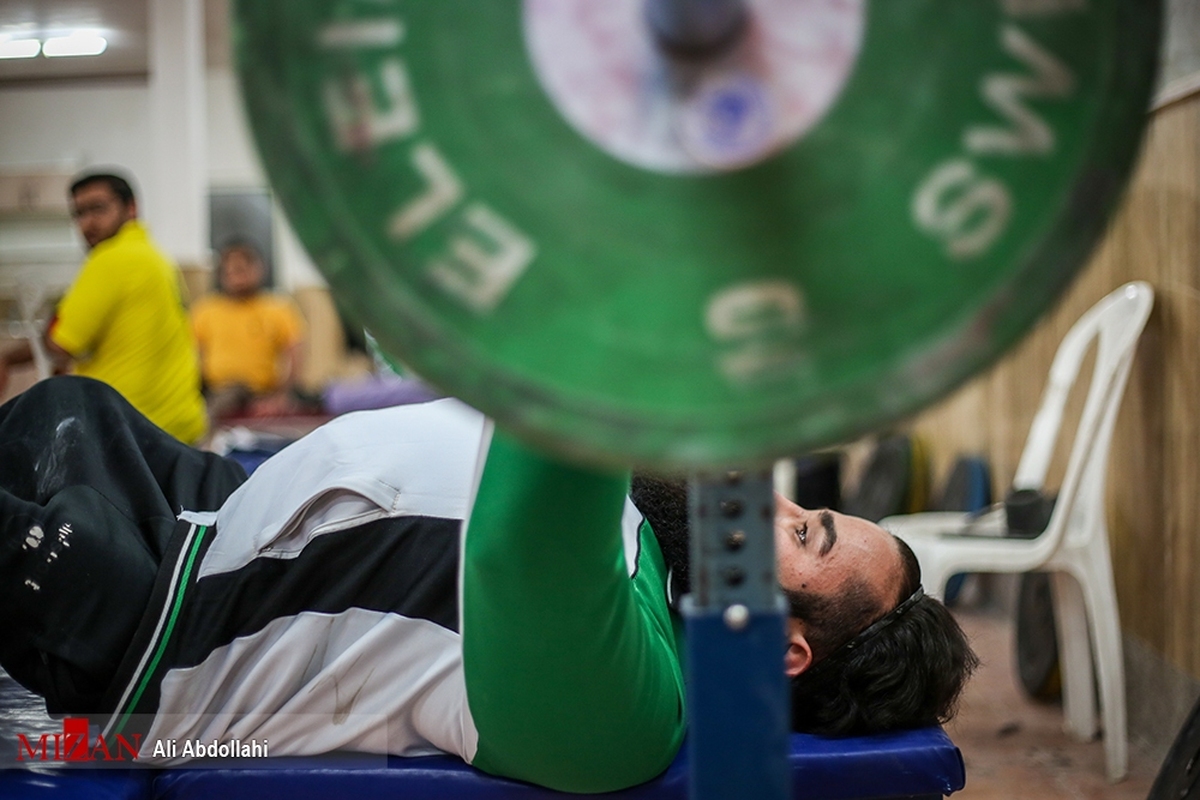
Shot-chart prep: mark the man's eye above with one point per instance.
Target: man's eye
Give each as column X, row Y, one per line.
column 802, row 533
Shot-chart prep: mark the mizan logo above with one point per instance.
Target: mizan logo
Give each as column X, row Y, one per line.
column 74, row 744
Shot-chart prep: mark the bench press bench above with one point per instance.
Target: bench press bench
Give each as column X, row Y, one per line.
column 911, row 765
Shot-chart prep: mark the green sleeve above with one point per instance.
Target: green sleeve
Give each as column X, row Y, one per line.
column 572, row 671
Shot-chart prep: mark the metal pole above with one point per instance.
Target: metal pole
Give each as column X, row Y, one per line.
column 696, row 27
column 737, row 692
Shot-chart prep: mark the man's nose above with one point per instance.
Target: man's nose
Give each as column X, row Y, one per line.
column 783, row 505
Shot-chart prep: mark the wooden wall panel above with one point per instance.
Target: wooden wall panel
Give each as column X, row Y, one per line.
column 1137, row 492
column 1178, row 251
column 197, row 282
column 324, row 349
column 1154, row 474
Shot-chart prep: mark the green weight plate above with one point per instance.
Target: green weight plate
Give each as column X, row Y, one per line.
column 701, row 263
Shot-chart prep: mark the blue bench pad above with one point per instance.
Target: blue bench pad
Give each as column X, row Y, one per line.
column 911, row 764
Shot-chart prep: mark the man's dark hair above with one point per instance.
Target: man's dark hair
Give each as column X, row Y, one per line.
column 244, row 246
column 664, row 501
column 118, row 185
column 907, row 674
column 831, row 622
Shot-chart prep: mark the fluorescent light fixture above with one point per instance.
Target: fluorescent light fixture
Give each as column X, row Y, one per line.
column 19, row 48
column 80, row 43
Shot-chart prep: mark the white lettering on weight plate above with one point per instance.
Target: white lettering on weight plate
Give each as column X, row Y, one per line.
column 957, row 203
column 442, row 192
column 962, row 208
column 358, row 122
column 486, row 253
column 757, row 324
column 1008, row 94
column 485, row 261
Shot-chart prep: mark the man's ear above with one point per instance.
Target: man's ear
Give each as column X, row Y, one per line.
column 799, row 653
column 131, row 209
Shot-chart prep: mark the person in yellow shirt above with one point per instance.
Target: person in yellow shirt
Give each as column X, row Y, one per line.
column 123, row 321
column 249, row 340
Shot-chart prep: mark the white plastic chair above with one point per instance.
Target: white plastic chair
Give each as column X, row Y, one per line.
column 1075, row 542
column 32, row 284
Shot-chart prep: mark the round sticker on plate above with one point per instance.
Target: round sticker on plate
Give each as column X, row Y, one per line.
column 728, row 121
column 605, row 73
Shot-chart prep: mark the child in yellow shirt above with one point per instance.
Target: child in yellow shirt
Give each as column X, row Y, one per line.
column 249, row 340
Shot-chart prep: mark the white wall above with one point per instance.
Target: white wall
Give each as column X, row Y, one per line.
column 76, row 127
column 233, row 164
column 101, row 124
column 1181, row 42
column 179, row 128
column 232, row 160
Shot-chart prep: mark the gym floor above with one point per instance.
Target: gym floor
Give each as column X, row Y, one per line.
column 1016, row 748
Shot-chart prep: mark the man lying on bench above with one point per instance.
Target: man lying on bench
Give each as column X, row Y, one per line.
column 332, row 601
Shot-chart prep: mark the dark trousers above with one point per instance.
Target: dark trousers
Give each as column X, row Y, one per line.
column 89, row 495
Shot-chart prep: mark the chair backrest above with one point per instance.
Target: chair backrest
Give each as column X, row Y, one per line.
column 1116, row 322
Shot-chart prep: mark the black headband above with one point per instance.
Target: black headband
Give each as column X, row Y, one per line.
column 871, row 631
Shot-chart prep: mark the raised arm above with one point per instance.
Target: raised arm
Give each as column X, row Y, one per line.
column 573, row 676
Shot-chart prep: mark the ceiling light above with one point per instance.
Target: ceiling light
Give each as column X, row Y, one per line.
column 76, row 44
column 20, row 48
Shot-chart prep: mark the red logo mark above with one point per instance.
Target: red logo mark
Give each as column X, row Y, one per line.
column 75, row 744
